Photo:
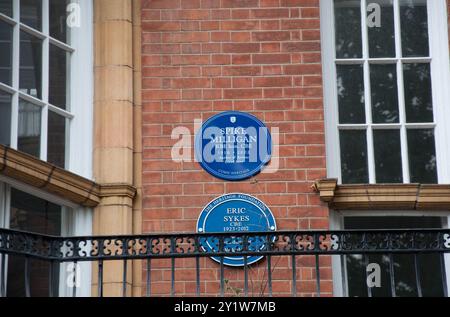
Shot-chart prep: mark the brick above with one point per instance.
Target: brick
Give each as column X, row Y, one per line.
column 272, row 36
column 194, row 14
column 209, row 25
column 242, row 59
column 190, row 59
column 273, row 104
column 185, row 37
column 239, row 3
column 242, row 82
column 242, row 70
column 238, row 25
column 303, row 69
column 161, row 4
column 300, row 46
column 300, row 24
column 242, row 93
column 190, row 4
column 271, row 58
column 161, row 26
column 220, row 36
column 270, row 13
column 273, row 82
column 270, row 47
column 157, row 94
column 241, row 37
column 241, row 47
column 208, row 4
column 191, row 83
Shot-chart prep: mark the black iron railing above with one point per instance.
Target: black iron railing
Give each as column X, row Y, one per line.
column 57, row 250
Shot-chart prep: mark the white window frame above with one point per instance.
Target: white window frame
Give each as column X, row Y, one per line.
column 339, row 273
column 75, row 221
column 79, row 113
column 440, row 74
column 79, row 139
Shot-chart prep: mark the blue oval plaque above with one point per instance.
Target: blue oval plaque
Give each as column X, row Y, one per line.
column 233, row 145
column 235, row 213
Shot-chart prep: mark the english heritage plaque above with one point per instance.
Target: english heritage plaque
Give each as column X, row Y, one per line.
column 236, row 212
column 233, row 145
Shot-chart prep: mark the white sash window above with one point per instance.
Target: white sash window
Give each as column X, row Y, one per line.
column 386, row 74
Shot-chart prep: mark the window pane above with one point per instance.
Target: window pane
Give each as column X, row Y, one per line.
column 422, row 156
column 6, row 7
column 354, row 157
column 58, row 77
column 6, row 35
column 29, row 134
column 347, row 15
column 404, row 274
column 58, row 16
column 56, row 146
column 32, row 214
column 388, row 160
column 350, row 82
column 381, row 32
column 414, row 25
column 383, row 82
column 5, row 118
column 31, row 13
column 30, row 65
column 418, row 97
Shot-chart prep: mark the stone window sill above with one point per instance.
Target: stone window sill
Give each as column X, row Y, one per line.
column 56, row 181
column 383, row 196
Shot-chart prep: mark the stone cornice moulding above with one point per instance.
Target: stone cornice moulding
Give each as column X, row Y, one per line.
column 117, row 190
column 57, row 181
column 383, row 196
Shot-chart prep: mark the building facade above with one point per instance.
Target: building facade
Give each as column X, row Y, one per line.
column 100, row 101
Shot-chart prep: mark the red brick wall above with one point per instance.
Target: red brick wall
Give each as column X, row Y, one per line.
column 201, row 57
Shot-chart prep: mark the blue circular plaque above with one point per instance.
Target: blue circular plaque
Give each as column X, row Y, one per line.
column 233, row 145
column 235, row 212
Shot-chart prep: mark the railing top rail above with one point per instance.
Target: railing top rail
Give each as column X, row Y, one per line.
column 91, row 248
column 229, row 234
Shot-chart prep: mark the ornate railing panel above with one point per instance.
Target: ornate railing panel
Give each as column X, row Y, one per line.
column 189, row 245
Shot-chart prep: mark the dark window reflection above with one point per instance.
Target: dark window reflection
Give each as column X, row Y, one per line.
column 418, row 93
column 347, row 15
column 5, row 118
column 414, row 25
column 31, row 13
column 350, row 89
column 30, row 65
column 6, row 7
column 382, row 36
column 56, row 146
column 422, row 156
column 29, row 134
column 383, row 81
column 58, row 16
column 32, row 214
column 58, row 77
column 354, row 157
column 388, row 158
column 405, row 284
column 6, row 35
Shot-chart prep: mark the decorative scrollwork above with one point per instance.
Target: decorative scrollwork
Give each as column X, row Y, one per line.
column 232, row 244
